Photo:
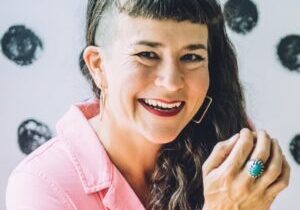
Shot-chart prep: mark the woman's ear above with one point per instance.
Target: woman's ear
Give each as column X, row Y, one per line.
column 93, row 60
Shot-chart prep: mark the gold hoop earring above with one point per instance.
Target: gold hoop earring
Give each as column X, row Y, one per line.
column 102, row 101
column 205, row 110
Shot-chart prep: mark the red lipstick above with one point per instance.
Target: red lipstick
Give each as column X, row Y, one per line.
column 160, row 111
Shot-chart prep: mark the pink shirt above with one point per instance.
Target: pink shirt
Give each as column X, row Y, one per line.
column 71, row 171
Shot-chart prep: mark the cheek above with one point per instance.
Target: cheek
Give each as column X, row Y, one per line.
column 198, row 87
column 126, row 84
column 134, row 80
column 199, row 84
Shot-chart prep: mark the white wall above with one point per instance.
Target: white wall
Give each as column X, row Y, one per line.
column 45, row 89
column 272, row 91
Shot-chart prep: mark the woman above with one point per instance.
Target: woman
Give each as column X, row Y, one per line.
column 170, row 130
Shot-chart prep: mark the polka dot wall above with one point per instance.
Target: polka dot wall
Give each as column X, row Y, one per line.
column 41, row 76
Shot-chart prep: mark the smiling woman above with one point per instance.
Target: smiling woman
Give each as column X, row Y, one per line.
column 148, row 70
column 167, row 128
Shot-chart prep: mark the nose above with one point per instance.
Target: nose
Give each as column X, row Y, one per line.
column 170, row 77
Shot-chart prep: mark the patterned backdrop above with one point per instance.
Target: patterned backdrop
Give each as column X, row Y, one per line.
column 40, row 77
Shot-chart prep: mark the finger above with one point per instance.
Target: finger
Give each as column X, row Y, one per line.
column 240, row 152
column 219, row 154
column 262, row 147
column 262, row 150
column 274, row 166
column 282, row 181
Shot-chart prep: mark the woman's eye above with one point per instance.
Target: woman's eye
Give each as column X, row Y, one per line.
column 192, row 58
column 148, row 55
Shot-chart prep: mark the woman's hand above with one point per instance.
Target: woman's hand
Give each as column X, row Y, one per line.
column 227, row 184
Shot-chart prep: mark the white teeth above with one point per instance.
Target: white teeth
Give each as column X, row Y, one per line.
column 161, row 104
column 164, row 105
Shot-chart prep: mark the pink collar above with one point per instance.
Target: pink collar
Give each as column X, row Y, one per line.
column 95, row 169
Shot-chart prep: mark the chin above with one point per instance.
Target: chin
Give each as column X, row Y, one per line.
column 160, row 138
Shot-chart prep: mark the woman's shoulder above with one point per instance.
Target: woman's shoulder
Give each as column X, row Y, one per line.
column 48, row 179
column 59, row 156
column 37, row 181
column 67, row 172
column 49, row 158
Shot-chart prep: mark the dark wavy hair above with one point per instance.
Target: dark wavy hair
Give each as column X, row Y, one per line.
column 177, row 179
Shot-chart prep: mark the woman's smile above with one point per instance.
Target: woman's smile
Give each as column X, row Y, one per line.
column 161, row 107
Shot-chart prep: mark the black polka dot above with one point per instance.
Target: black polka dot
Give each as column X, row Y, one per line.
column 241, row 15
column 295, row 148
column 288, row 51
column 21, row 45
column 32, row 134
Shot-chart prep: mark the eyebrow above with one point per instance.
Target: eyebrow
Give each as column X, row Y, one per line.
column 157, row 45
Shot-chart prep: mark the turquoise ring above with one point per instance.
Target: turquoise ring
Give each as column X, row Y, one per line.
column 255, row 168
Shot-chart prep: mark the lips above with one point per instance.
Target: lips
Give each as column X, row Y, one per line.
column 162, row 108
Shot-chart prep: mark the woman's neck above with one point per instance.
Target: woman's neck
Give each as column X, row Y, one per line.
column 134, row 156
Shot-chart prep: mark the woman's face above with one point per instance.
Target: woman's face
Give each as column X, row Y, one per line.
column 157, row 77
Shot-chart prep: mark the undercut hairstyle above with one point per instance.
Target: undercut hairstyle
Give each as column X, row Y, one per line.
column 176, row 183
